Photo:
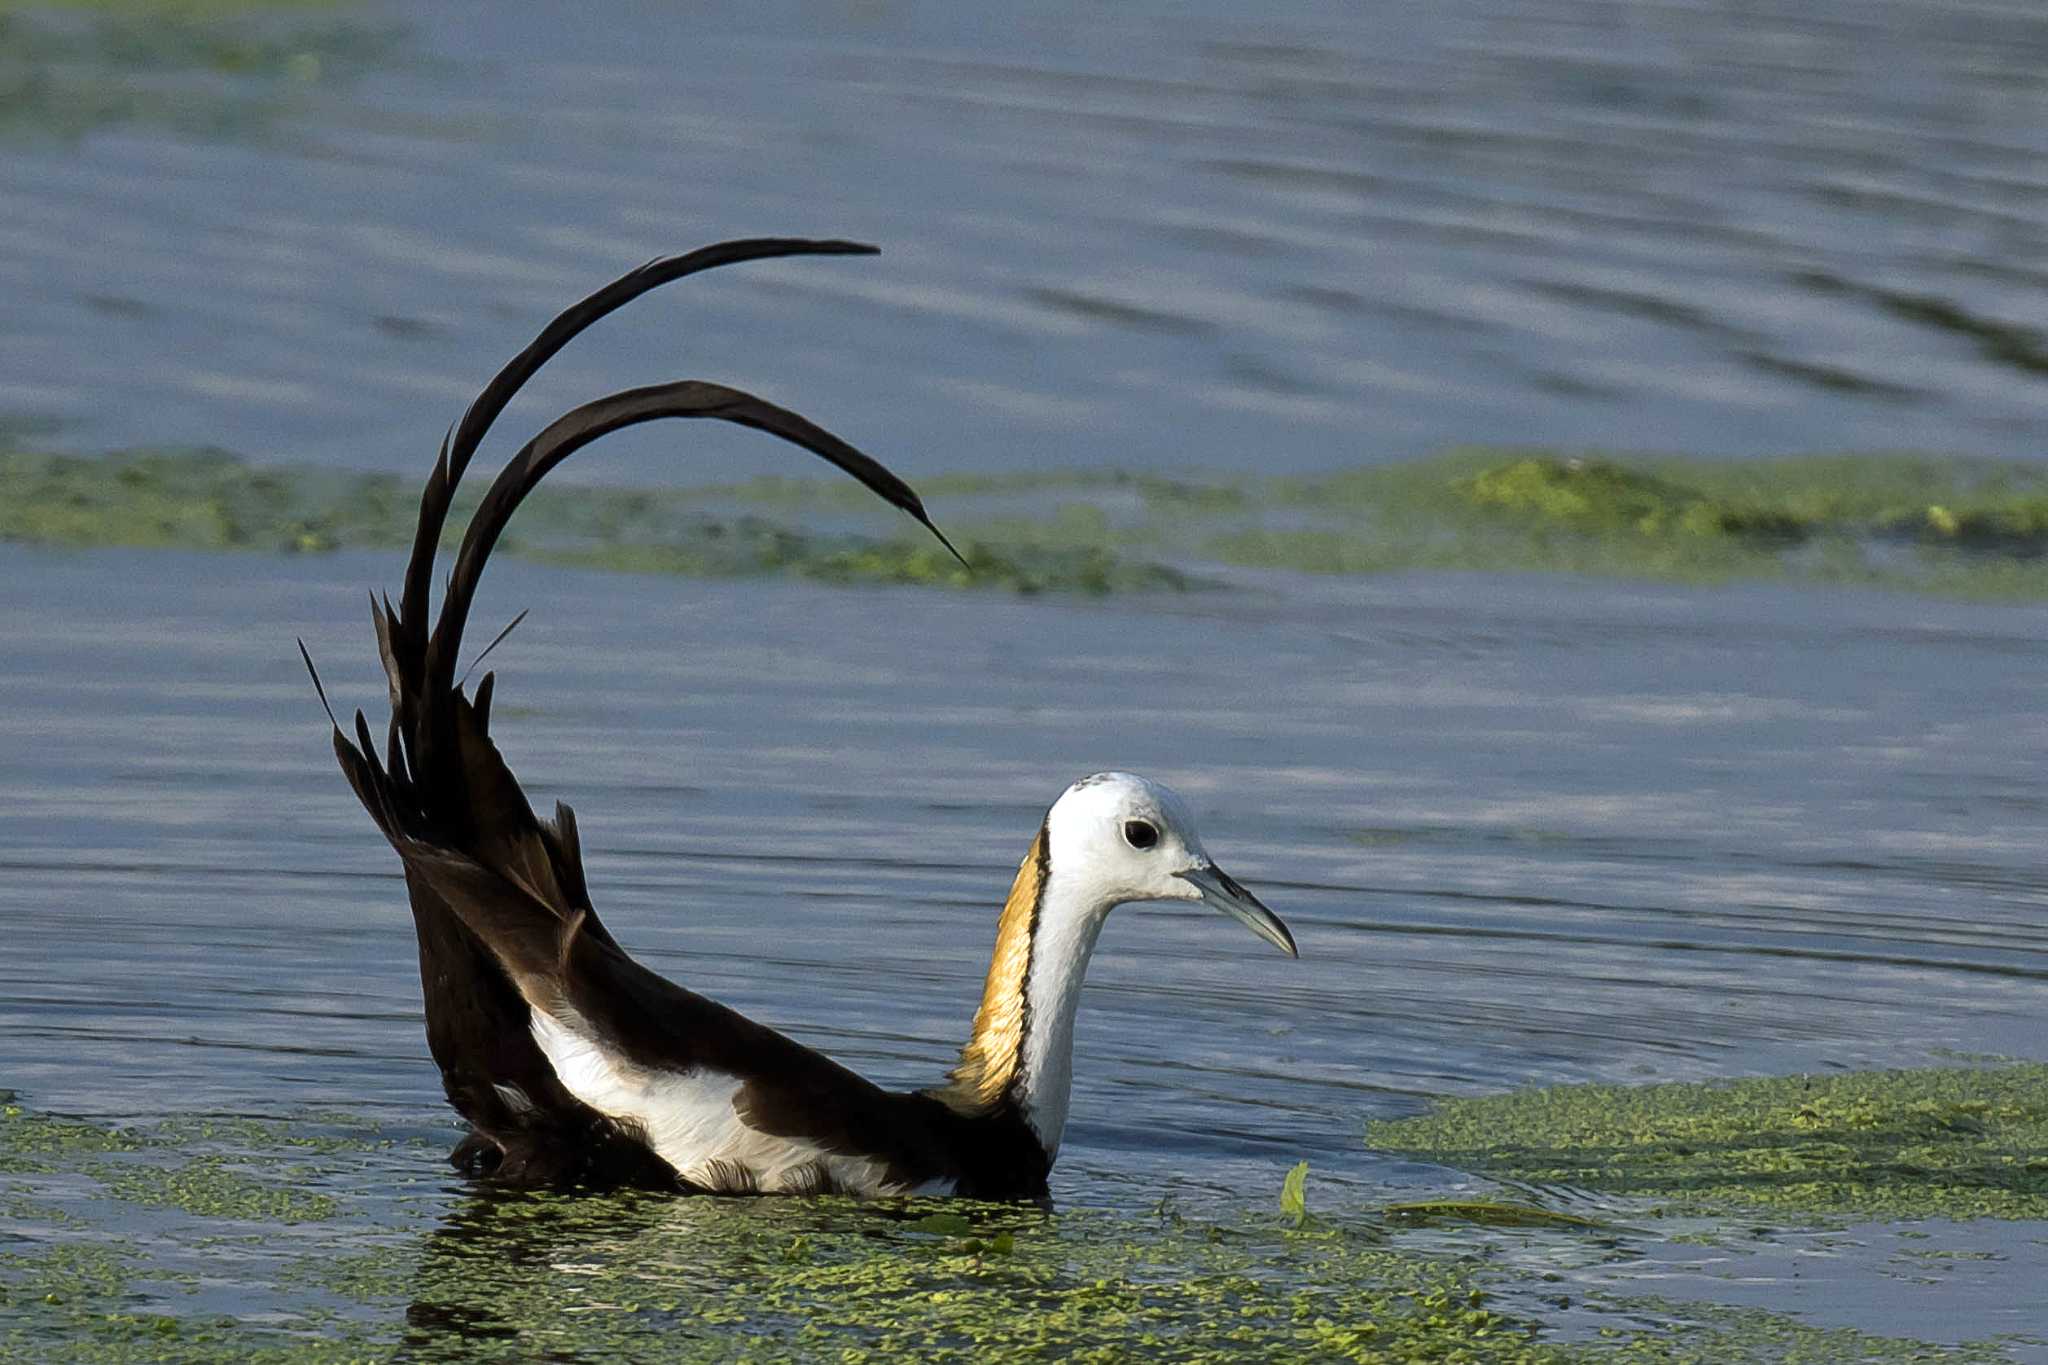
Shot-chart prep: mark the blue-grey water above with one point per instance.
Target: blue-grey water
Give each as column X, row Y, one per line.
column 1288, row 238
column 1524, row 833
column 1526, row 830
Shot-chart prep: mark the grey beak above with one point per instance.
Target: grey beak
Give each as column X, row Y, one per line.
column 1220, row 890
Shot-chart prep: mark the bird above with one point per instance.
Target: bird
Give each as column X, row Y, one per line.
column 574, row 1065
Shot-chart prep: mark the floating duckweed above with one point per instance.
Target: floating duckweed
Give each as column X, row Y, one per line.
column 869, row 1287
column 319, row 1134
column 1020, row 568
column 1938, row 1142
column 1599, row 494
column 212, row 1187
column 2018, row 528
column 41, row 1142
column 944, row 1224
column 1962, row 527
column 193, row 499
column 198, row 67
column 1952, row 526
column 209, row 500
column 494, row 1276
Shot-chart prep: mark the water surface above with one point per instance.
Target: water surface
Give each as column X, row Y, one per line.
column 1526, row 831
column 1151, row 236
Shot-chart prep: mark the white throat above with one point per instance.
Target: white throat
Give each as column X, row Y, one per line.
column 1070, row 919
column 1109, row 839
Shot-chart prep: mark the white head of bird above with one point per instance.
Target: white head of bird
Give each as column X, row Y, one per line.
column 1115, row 838
column 1110, row 839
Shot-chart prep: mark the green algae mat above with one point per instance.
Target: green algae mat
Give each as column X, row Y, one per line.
column 1934, row 1143
column 319, row 1239
column 236, row 71
column 1946, row 526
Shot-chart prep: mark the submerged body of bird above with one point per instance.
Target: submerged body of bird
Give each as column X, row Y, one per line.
column 576, row 1065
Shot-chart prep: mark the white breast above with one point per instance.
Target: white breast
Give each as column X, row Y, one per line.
column 688, row 1118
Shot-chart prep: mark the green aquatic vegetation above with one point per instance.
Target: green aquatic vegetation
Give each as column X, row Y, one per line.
column 313, row 1134
column 429, row 1272
column 2016, row 527
column 1986, row 508
column 1020, row 568
column 215, row 1187
column 1965, row 528
column 216, row 69
column 69, row 1272
column 1294, row 1193
column 207, row 1184
column 193, row 500
column 1158, row 490
column 785, row 491
column 1599, row 494
column 1493, row 1213
column 210, row 500
column 520, row 1276
column 821, row 1279
column 76, row 1300
column 722, row 551
column 1481, row 549
column 37, row 1143
column 1711, row 1334
column 1937, row 1142
column 101, row 1303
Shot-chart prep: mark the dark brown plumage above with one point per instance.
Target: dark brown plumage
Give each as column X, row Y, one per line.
column 574, row 1064
column 499, row 903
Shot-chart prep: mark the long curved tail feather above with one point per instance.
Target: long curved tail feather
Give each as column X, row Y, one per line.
column 578, row 428
column 460, row 445
column 441, row 792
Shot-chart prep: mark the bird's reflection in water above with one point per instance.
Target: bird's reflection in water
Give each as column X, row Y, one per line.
column 582, row 1277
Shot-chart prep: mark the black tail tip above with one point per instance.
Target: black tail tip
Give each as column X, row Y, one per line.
column 928, row 525
column 318, row 690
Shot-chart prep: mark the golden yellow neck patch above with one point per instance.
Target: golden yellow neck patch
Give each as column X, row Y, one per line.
column 991, row 1058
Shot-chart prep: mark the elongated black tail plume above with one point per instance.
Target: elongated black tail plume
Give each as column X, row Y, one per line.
column 443, row 795
column 464, row 438
column 574, row 430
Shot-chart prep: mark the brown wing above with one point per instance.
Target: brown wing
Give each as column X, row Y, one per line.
column 640, row 1018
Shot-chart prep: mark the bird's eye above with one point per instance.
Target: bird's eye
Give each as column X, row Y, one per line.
column 1140, row 833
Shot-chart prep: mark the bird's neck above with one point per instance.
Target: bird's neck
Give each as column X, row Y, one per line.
column 1021, row 1052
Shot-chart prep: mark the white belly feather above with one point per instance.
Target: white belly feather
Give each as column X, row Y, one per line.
column 689, row 1120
